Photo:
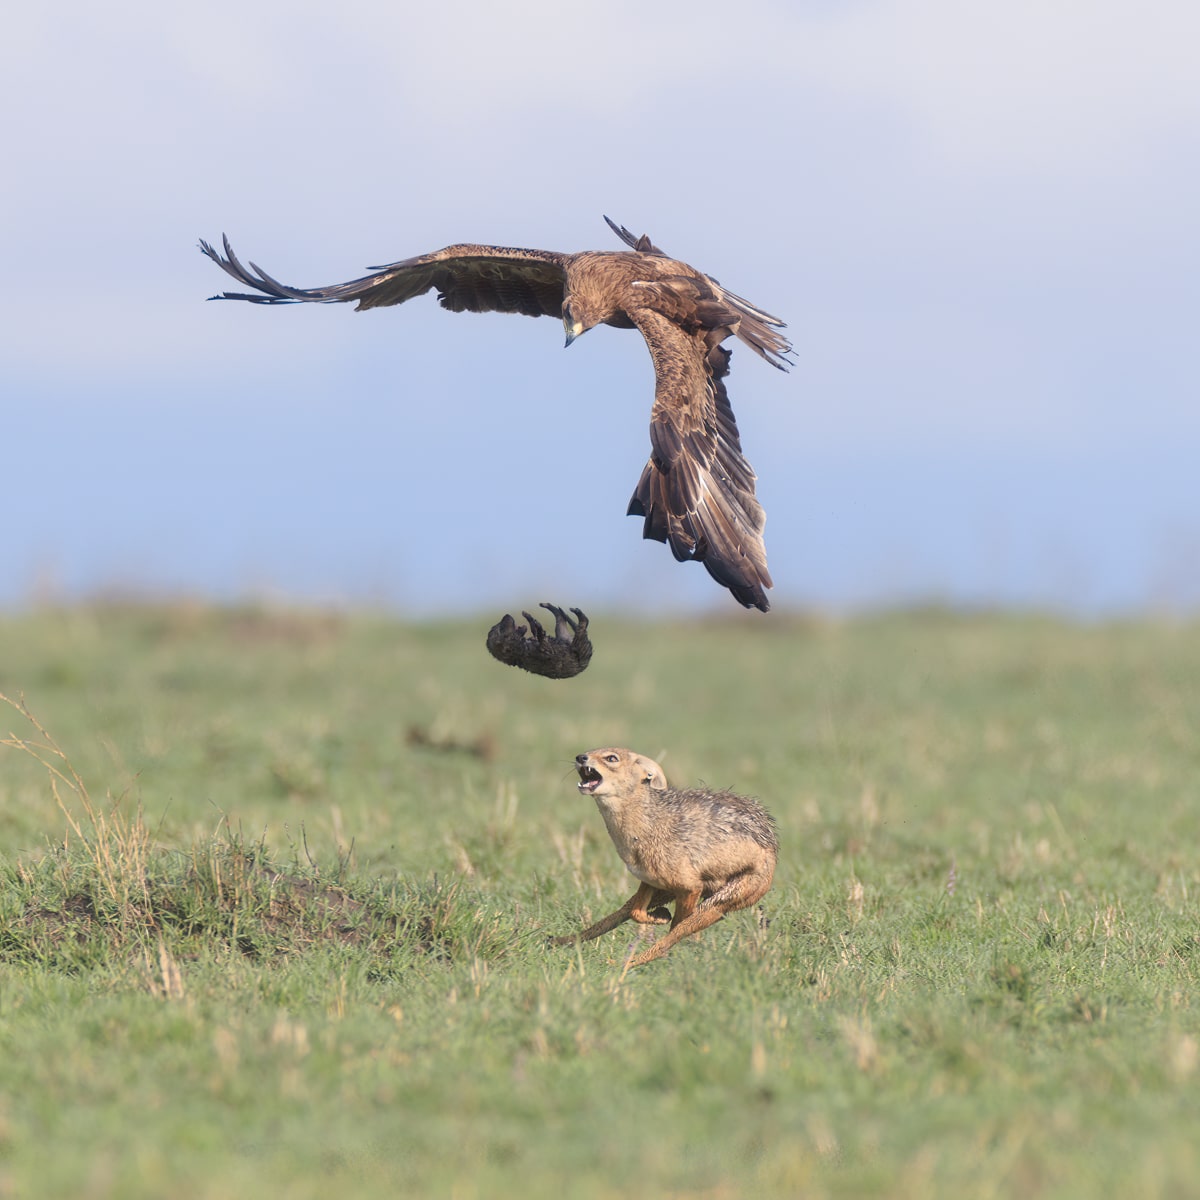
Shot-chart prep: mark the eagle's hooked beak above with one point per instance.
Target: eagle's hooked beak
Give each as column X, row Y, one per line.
column 573, row 328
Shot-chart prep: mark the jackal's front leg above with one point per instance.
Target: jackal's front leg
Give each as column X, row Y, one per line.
column 636, row 908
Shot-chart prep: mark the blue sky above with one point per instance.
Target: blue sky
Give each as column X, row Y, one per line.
column 978, row 220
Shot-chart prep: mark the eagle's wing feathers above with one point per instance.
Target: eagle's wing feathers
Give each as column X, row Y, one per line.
column 641, row 244
column 696, row 492
column 468, row 278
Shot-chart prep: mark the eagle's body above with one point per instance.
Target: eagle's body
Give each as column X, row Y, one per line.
column 697, row 491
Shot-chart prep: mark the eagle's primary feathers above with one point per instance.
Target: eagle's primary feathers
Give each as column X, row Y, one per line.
column 696, row 492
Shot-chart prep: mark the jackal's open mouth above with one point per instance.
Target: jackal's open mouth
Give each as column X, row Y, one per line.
column 589, row 779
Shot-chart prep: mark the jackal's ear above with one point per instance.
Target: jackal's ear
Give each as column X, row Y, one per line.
column 652, row 773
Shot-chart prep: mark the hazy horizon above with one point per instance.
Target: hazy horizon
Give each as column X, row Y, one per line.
column 978, row 223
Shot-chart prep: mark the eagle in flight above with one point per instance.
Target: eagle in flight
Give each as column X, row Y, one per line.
column 696, row 492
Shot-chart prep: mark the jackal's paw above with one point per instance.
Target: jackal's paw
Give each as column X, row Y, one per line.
column 659, row 915
column 560, row 656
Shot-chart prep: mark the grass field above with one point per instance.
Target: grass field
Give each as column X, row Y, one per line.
column 278, row 925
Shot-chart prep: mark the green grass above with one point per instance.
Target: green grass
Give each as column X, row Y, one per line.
column 257, row 938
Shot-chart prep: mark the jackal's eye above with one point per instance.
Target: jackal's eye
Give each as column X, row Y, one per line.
column 612, row 758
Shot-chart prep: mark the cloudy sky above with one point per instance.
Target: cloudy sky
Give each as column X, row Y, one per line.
column 979, row 221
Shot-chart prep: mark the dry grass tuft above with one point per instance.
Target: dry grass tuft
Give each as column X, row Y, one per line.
column 117, row 842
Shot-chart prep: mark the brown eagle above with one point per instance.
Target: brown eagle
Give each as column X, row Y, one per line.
column 697, row 491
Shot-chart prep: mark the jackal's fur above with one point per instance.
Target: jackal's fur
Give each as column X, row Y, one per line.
column 710, row 852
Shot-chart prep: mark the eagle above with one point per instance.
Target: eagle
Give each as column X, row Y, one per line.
column 696, row 492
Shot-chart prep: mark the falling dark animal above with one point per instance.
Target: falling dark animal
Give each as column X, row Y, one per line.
column 711, row 852
column 559, row 657
column 696, row 493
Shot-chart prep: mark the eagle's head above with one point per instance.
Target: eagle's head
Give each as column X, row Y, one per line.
column 576, row 318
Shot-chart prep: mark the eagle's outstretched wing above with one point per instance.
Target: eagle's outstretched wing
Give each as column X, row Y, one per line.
column 643, row 244
column 697, row 491
column 468, row 279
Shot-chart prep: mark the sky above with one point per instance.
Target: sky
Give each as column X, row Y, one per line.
column 978, row 220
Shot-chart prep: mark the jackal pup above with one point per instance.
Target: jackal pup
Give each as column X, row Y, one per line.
column 710, row 852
